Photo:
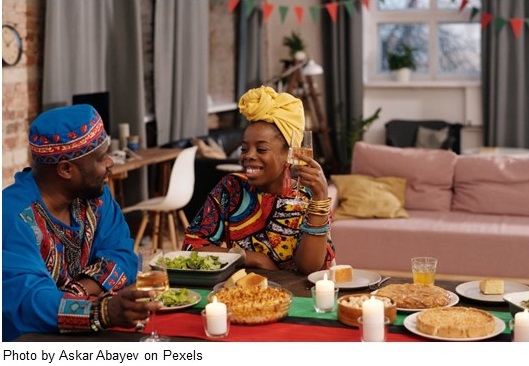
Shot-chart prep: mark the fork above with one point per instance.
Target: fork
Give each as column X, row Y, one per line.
column 376, row 286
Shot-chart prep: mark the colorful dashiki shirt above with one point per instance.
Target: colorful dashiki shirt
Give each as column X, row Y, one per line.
column 238, row 214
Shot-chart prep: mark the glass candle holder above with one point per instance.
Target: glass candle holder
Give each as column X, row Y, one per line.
column 216, row 326
column 373, row 332
column 324, row 301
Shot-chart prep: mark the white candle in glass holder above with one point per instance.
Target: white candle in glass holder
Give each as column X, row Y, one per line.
column 521, row 326
column 325, row 293
column 216, row 317
column 373, row 320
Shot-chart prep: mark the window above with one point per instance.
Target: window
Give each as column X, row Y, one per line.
column 446, row 44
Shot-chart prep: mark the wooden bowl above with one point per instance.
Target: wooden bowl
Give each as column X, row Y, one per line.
column 350, row 308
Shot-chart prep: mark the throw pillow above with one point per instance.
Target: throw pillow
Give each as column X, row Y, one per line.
column 429, row 138
column 363, row 196
column 429, row 173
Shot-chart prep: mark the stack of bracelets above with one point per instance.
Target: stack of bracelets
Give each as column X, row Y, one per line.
column 99, row 318
column 317, row 208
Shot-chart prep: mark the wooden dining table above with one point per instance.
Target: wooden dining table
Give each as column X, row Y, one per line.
column 185, row 325
column 140, row 159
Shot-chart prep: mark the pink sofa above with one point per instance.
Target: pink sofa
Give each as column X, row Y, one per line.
column 470, row 212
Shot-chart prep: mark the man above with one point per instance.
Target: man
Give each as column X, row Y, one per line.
column 66, row 248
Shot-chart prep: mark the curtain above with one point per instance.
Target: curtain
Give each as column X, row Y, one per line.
column 344, row 90
column 505, row 76
column 249, row 51
column 94, row 46
column 180, row 68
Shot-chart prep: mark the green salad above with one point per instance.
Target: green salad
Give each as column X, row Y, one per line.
column 174, row 297
column 194, row 261
column 525, row 303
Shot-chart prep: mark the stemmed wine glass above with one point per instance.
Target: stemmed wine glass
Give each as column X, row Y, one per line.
column 300, row 144
column 152, row 275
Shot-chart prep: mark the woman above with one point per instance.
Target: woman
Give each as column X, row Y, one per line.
column 250, row 213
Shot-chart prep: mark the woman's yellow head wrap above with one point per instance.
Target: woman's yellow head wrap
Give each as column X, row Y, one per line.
column 283, row 109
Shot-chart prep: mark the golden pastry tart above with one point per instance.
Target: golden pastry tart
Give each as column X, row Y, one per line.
column 253, row 304
column 416, row 296
column 456, row 322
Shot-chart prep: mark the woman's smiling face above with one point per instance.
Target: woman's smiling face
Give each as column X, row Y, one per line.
column 264, row 154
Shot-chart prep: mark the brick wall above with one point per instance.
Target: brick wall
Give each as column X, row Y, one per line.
column 21, row 84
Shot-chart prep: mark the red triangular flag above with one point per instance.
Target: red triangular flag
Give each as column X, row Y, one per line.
column 486, row 18
column 366, row 3
column 517, row 26
column 299, row 13
column 332, row 8
column 267, row 10
column 463, row 4
column 232, row 4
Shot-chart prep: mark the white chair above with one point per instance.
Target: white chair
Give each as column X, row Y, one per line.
column 179, row 193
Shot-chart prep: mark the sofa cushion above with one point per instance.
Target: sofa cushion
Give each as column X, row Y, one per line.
column 363, row 196
column 492, row 185
column 429, row 138
column 429, row 173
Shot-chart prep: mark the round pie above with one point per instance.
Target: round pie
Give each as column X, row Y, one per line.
column 456, row 322
column 416, row 296
column 255, row 305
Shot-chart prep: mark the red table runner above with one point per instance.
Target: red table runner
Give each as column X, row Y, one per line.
column 190, row 325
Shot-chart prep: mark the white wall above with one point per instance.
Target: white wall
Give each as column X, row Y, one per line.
column 450, row 101
column 458, row 101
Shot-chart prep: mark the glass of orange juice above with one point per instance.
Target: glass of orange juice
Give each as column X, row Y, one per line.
column 423, row 269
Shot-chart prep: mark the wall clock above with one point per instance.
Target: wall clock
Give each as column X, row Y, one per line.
column 11, row 45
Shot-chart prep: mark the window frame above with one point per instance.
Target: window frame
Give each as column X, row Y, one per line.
column 432, row 17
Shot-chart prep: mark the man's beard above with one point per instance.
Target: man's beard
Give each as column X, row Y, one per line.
column 94, row 192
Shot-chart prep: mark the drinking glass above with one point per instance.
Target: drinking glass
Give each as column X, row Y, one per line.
column 300, row 144
column 152, row 276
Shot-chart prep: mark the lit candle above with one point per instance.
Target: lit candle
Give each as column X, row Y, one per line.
column 521, row 326
column 373, row 320
column 325, row 293
column 216, row 317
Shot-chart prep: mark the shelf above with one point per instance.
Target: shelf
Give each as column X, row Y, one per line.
column 222, row 107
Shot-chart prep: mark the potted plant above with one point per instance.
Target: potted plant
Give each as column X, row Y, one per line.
column 296, row 46
column 401, row 62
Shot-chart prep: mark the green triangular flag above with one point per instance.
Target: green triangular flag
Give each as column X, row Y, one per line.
column 315, row 13
column 250, row 4
column 498, row 24
column 473, row 13
column 283, row 10
column 349, row 6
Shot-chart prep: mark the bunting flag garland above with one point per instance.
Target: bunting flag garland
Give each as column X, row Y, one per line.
column 463, row 4
column 332, row 8
column 232, row 4
column 267, row 10
column 516, row 24
column 486, row 18
column 299, row 13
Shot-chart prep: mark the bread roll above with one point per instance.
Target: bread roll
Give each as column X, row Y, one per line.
column 491, row 286
column 341, row 273
column 252, row 279
column 231, row 282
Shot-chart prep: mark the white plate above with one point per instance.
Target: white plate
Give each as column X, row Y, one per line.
column 410, row 323
column 193, row 298
column 471, row 291
column 220, row 285
column 361, row 278
column 516, row 298
column 454, row 299
column 227, row 259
